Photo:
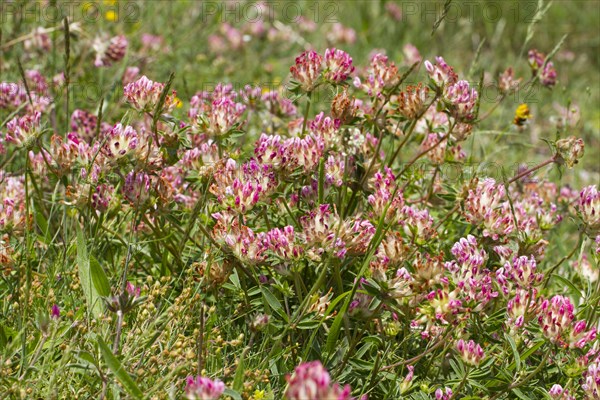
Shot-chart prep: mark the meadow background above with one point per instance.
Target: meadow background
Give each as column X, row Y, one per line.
column 159, row 343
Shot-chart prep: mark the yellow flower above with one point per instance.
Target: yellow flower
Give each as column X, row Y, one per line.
column 178, row 102
column 258, row 395
column 110, row 2
column 522, row 114
column 110, row 15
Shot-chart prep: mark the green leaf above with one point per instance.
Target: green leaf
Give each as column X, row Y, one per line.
column 273, row 302
column 115, row 366
column 3, row 339
column 238, row 379
column 572, row 288
column 99, row 277
column 308, row 324
column 513, row 345
column 85, row 276
column 520, row 394
column 532, row 350
column 232, row 393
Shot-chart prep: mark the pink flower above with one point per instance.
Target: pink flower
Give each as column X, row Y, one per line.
column 521, row 306
column 152, row 42
column 320, row 232
column 278, row 105
column 441, row 73
column 240, row 188
column 137, row 188
column 536, row 59
column 591, row 385
column 109, row 52
column 474, row 282
column 12, row 95
column 224, row 115
column 471, row 352
column 338, row 65
column 334, row 170
column 436, row 151
column 507, row 81
column 304, row 152
column 418, row 224
column 307, row 69
column 394, row 10
column 101, row 197
column 381, row 75
column 484, row 205
column 548, row 76
column 55, row 312
column 383, row 185
column 589, row 207
column 84, row 123
column 201, row 159
column 203, row 388
column 546, row 73
column 269, row 150
column 522, row 272
column 240, row 239
column 132, row 290
column 328, row 129
column 282, row 242
column 311, row 381
column 12, row 205
column 130, row 75
column 461, row 99
column 341, row 34
column 411, row 103
column 22, row 131
column 557, row 320
column 144, row 95
column 121, row 141
column 558, row 393
column 445, row 394
column 39, row 40
column 411, row 53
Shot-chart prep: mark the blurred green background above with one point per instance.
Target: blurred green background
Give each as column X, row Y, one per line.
column 270, row 34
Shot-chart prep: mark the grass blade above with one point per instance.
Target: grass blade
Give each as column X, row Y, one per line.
column 115, row 366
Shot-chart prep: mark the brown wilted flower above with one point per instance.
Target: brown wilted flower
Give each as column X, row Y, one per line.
column 570, row 150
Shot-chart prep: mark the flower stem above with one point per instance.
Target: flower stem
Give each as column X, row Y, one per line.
column 532, row 169
column 118, row 334
column 306, row 111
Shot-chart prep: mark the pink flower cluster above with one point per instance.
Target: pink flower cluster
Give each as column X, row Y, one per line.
column 470, row 352
column 542, row 68
column 473, row 280
column 336, row 67
column 441, row 73
column 589, row 207
column 484, row 205
column 380, row 75
column 311, row 381
column 22, row 131
column 557, row 319
column 216, row 113
column 203, row 388
column 110, row 51
column 307, row 69
column 144, row 95
column 12, row 207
